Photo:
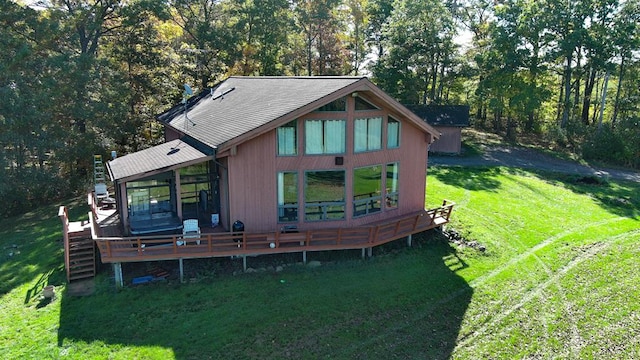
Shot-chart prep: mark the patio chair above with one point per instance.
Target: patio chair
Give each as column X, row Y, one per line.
column 190, row 230
column 101, row 192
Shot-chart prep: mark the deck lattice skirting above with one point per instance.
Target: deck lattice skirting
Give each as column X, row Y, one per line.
column 156, row 248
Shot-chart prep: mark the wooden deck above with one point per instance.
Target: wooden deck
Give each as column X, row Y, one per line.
column 222, row 244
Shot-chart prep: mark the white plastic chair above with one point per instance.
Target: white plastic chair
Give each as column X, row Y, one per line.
column 190, row 230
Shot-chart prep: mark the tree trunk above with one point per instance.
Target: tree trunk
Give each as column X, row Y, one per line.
column 616, row 104
column 604, row 100
column 559, row 107
column 434, row 77
column 588, row 90
column 567, row 93
column 578, row 68
column 596, row 106
column 309, row 43
column 511, row 128
column 440, row 86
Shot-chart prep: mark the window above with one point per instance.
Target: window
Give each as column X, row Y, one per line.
column 392, row 186
column 287, row 196
column 324, row 195
column 195, row 190
column 368, row 134
column 336, row 105
column 151, row 197
column 393, row 133
column 324, row 137
column 367, row 186
column 287, row 139
column 362, row 104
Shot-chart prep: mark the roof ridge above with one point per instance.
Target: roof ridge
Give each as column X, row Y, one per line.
column 298, row 77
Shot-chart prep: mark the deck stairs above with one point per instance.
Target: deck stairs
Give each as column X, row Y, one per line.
column 82, row 259
column 79, row 247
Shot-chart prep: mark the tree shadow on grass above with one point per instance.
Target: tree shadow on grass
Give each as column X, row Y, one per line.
column 621, row 198
column 402, row 304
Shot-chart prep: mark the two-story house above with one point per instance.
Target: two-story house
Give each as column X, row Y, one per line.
column 274, row 152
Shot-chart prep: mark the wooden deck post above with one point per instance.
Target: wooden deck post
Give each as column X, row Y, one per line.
column 244, row 263
column 117, row 271
column 304, row 257
column 181, row 266
column 409, row 240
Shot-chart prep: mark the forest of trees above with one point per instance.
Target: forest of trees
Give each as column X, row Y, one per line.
column 79, row 77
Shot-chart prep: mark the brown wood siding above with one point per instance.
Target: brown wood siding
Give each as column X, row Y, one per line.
column 252, row 183
column 253, row 180
column 450, row 140
column 171, row 134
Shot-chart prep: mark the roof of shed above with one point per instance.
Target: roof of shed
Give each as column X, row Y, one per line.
column 442, row 115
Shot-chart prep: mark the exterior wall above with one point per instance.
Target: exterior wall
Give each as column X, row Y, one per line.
column 450, row 140
column 253, row 168
column 252, row 184
column 170, row 134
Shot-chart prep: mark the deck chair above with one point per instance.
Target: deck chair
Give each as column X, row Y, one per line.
column 190, row 230
column 101, row 192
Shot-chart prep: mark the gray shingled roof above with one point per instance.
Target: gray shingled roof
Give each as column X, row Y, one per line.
column 163, row 156
column 442, row 115
column 241, row 104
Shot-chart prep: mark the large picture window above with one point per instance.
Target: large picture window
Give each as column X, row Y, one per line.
column 368, row 134
column 287, row 139
column 367, row 186
column 195, row 191
column 324, row 137
column 393, row 133
column 151, row 197
column 287, row 196
column 391, row 196
column 324, row 195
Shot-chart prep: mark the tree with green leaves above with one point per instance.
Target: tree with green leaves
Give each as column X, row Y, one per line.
column 420, row 51
column 263, row 28
column 208, row 45
column 319, row 24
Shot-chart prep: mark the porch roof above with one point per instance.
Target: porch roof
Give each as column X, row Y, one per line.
column 167, row 156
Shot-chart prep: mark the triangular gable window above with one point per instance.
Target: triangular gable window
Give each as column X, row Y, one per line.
column 336, row 105
column 362, row 104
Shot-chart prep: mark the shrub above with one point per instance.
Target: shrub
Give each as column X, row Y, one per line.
column 619, row 145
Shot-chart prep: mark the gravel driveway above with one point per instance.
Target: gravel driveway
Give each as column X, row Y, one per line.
column 502, row 155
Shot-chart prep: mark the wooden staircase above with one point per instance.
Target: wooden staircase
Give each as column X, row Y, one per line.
column 82, row 259
column 79, row 248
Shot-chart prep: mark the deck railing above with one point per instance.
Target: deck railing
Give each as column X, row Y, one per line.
column 64, row 217
column 148, row 248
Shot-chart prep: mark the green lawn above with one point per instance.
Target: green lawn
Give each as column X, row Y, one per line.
column 559, row 279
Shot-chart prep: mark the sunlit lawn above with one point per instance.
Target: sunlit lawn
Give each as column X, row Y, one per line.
column 558, row 280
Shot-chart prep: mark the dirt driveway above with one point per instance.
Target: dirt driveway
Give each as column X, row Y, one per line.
column 511, row 156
